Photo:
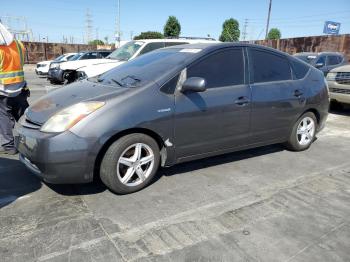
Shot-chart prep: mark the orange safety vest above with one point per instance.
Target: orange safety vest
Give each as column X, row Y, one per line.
column 11, row 63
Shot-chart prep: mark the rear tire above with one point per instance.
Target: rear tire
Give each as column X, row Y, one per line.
column 303, row 133
column 130, row 163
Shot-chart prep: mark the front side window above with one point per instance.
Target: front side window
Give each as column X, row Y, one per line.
column 224, row 68
column 321, row 60
column 333, row 60
column 151, row 46
column 269, row 67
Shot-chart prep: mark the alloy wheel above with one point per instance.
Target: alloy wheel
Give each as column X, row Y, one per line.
column 306, row 131
column 135, row 164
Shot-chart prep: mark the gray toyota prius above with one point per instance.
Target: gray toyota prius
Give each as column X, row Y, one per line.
column 170, row 106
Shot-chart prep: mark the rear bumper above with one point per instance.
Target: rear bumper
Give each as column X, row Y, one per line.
column 55, row 158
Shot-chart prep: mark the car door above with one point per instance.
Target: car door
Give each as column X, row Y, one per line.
column 276, row 98
column 219, row 117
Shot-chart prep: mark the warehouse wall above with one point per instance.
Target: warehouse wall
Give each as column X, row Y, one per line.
column 38, row 51
column 340, row 43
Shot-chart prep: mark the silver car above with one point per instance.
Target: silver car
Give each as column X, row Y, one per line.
column 339, row 84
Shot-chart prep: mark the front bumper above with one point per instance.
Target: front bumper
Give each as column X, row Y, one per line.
column 55, row 75
column 339, row 92
column 56, row 158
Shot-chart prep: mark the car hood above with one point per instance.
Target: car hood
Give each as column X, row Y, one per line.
column 69, row 95
column 74, row 65
column 45, row 62
column 344, row 68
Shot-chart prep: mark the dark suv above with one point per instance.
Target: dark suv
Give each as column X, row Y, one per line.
column 170, row 106
column 324, row 61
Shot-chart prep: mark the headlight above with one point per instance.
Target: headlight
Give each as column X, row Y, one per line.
column 68, row 117
column 331, row 76
column 82, row 75
column 55, row 66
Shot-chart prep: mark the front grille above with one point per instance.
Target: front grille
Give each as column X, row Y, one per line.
column 30, row 124
column 343, row 78
column 339, row 90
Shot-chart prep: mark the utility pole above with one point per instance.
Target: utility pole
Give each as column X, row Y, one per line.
column 244, row 33
column 268, row 20
column 88, row 22
column 117, row 24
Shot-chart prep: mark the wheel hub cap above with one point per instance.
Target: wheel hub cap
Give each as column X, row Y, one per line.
column 306, row 131
column 135, row 164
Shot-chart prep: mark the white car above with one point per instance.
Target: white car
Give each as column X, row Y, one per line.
column 65, row 72
column 42, row 68
column 129, row 51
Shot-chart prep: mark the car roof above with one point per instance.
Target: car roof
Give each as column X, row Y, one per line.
column 218, row 45
column 179, row 40
column 319, row 53
column 98, row 51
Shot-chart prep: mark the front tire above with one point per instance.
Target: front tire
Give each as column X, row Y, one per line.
column 130, row 163
column 303, row 132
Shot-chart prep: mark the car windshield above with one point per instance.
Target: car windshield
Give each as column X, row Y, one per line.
column 306, row 58
column 57, row 59
column 77, row 56
column 146, row 68
column 125, row 52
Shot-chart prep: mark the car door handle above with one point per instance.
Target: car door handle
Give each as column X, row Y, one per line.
column 242, row 101
column 298, row 93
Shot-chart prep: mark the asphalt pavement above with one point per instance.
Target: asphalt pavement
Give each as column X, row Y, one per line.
column 264, row 204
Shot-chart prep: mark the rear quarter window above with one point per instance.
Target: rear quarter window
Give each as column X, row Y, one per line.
column 300, row 69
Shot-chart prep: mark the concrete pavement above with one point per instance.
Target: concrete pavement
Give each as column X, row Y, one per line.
column 265, row 204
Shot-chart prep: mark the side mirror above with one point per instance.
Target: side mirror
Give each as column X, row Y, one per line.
column 194, row 84
column 319, row 65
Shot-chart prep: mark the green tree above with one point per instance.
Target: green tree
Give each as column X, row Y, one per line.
column 274, row 33
column 96, row 42
column 149, row 35
column 172, row 27
column 230, row 31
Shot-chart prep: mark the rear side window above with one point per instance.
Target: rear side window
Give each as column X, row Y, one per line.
column 151, row 46
column 174, row 43
column 333, row 60
column 224, row 68
column 92, row 55
column 300, row 69
column 269, row 67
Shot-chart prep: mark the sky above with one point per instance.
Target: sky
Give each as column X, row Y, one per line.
column 55, row 19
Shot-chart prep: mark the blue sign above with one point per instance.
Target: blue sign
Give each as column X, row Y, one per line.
column 331, row 28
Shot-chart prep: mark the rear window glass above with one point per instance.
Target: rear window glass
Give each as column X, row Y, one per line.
column 300, row 69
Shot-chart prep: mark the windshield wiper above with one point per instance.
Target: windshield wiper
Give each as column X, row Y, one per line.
column 117, row 82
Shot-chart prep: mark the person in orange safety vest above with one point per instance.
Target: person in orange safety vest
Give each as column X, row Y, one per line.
column 13, row 88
